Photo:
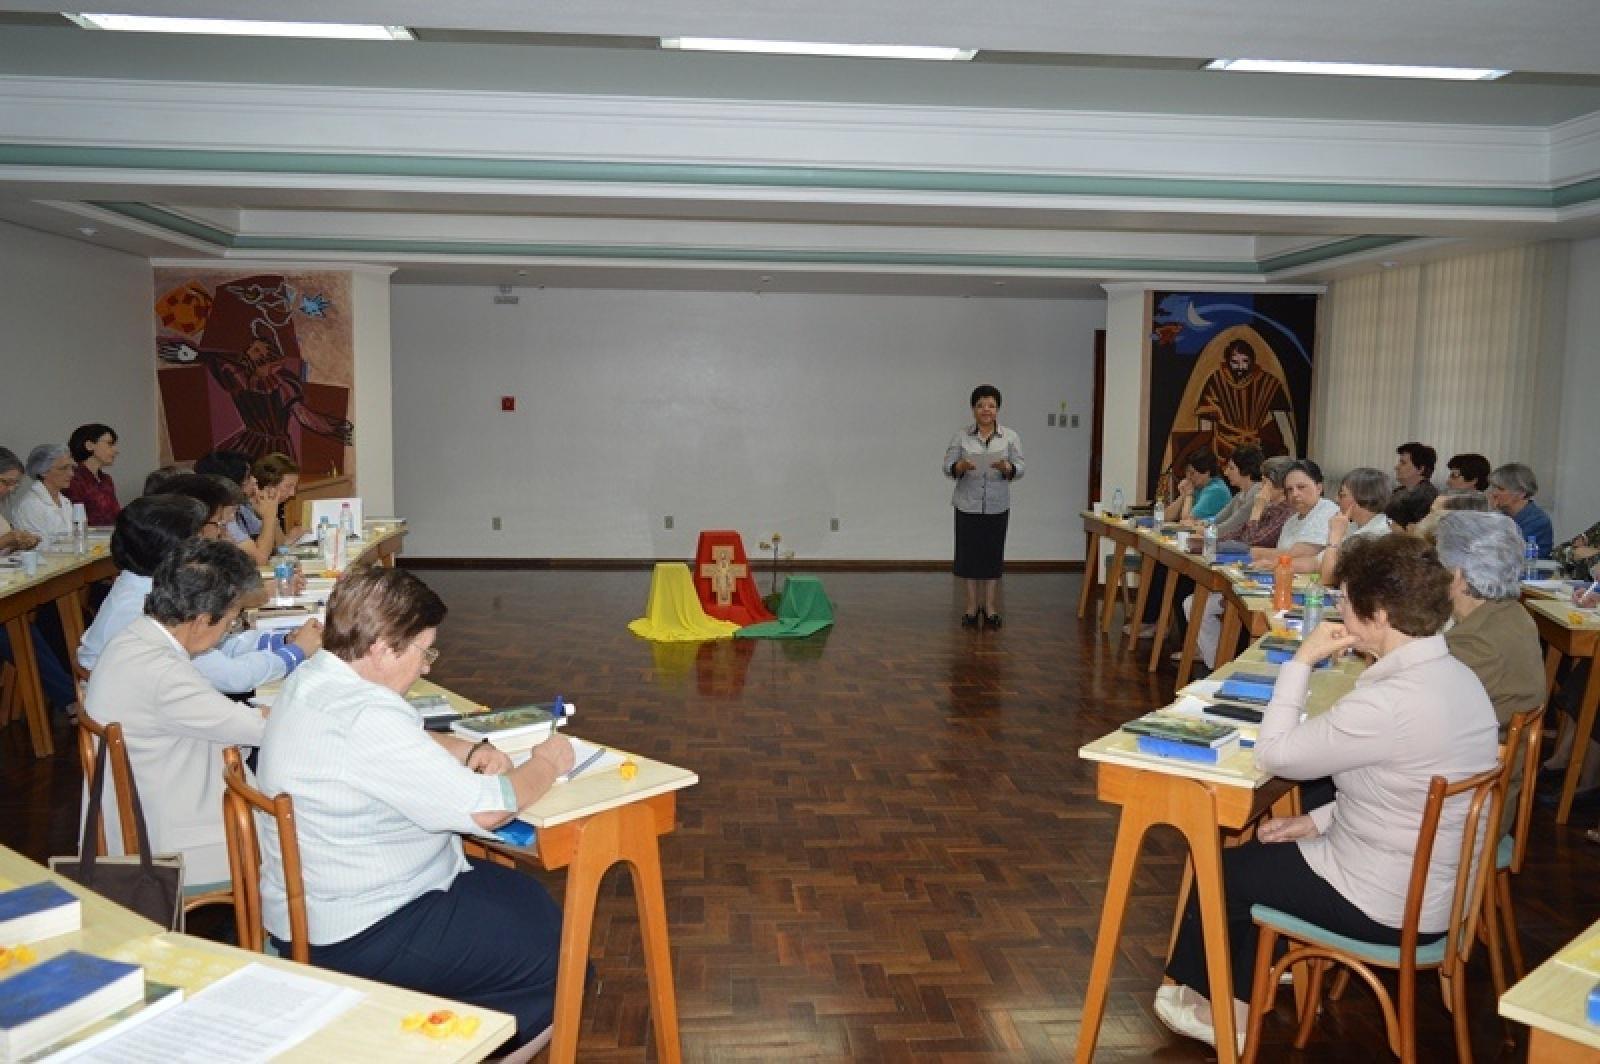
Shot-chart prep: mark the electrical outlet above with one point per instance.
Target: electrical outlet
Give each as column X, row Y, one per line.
column 494, row 523
column 1074, row 420
column 1050, row 420
column 666, row 522
column 833, row 525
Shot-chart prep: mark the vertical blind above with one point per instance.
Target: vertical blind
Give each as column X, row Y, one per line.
column 1443, row 352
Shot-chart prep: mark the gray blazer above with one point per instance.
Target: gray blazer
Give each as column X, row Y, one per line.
column 983, row 490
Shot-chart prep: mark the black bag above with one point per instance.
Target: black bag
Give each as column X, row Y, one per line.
column 151, row 886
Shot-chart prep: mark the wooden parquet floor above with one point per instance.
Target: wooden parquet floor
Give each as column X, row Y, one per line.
column 894, row 853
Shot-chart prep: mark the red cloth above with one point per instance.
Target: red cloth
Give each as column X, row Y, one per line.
column 746, row 606
column 97, row 493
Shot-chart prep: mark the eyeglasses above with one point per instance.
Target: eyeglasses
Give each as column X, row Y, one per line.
column 238, row 624
column 10, row 482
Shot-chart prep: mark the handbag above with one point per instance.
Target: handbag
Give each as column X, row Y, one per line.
column 150, row 885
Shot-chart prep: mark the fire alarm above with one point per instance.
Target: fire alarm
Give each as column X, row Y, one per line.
column 508, row 402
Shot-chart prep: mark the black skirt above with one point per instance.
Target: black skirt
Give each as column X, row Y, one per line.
column 980, row 545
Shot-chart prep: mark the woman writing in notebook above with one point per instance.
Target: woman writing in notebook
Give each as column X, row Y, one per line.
column 382, row 805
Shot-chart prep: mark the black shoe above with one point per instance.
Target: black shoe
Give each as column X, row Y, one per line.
column 994, row 621
column 970, row 620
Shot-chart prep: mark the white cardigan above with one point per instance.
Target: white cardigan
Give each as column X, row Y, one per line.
column 34, row 512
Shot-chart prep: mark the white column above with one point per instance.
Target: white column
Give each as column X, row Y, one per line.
column 374, row 391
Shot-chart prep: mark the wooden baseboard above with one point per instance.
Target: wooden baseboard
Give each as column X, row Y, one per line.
column 818, row 566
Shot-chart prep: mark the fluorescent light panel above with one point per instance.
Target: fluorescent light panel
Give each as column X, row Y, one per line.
column 1356, row 70
column 854, row 51
column 241, row 27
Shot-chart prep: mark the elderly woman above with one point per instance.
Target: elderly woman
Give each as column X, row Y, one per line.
column 11, row 476
column 1363, row 493
column 175, row 722
column 1263, row 524
column 44, row 508
column 1305, row 533
column 94, row 448
column 1416, row 713
column 382, row 805
column 58, row 687
column 149, row 529
column 1511, row 491
column 983, row 459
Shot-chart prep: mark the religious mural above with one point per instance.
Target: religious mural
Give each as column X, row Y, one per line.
column 1227, row 369
column 256, row 364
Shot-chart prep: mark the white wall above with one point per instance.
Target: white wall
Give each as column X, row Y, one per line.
column 1576, row 500
column 374, row 387
column 78, row 345
column 725, row 410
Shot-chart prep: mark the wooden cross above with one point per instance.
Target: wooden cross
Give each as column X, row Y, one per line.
column 722, row 572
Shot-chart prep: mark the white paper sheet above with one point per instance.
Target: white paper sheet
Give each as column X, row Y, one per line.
column 582, row 750
column 252, row 1015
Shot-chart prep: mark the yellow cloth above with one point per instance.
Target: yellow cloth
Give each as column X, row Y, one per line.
column 674, row 614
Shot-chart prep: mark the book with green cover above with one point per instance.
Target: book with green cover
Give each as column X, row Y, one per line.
column 1178, row 729
column 502, row 723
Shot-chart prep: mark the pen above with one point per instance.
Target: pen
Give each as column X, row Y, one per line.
column 585, row 763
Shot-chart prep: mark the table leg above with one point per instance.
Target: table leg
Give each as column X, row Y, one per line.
column 1228, row 642
column 1197, row 612
column 1131, row 826
column 1580, row 742
column 1113, row 582
column 28, row 686
column 1091, row 572
column 1163, row 620
column 1198, row 821
column 1552, row 665
column 1147, row 573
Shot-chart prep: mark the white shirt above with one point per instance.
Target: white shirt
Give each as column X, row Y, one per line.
column 1312, row 528
column 1377, row 525
column 378, row 802
column 34, row 512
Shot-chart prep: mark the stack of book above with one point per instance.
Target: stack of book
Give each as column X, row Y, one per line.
column 1163, row 734
column 55, row 1001
column 511, row 730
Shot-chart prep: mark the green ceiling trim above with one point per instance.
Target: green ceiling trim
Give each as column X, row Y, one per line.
column 788, row 177
column 222, row 240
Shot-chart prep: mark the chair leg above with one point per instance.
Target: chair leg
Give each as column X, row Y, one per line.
column 1509, row 921
column 1261, row 988
column 1313, row 1001
column 1489, row 931
column 1458, row 1012
column 1341, row 982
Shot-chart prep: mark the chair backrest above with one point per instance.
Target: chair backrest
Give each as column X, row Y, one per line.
column 1479, row 834
column 240, row 803
column 1523, row 737
column 89, row 733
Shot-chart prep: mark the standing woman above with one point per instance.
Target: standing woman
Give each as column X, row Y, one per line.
column 983, row 459
column 94, row 448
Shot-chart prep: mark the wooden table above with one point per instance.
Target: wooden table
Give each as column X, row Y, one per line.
column 1157, row 548
column 60, row 580
column 586, row 826
column 1201, row 802
column 1563, row 637
column 1551, row 1000
column 1123, row 535
column 370, row 1031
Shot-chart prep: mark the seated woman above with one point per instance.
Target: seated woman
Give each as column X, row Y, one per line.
column 1577, row 556
column 43, row 508
column 1468, row 472
column 247, row 530
column 1263, row 524
column 1363, row 493
column 94, row 448
column 59, row 689
column 382, row 805
column 148, row 530
column 176, row 724
column 1305, row 533
column 277, row 479
column 10, row 477
column 1414, row 714
column 1405, row 512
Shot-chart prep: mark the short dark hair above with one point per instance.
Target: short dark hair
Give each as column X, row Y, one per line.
column 202, row 578
column 235, row 465
column 82, row 436
column 1473, row 467
column 9, row 460
column 375, row 604
column 1406, row 508
column 1400, row 575
column 150, row 527
column 1247, row 460
column 214, row 491
column 985, row 391
column 1202, row 462
column 1306, row 466
column 271, row 469
column 1422, row 456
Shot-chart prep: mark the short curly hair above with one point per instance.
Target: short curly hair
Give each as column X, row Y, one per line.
column 1400, row 575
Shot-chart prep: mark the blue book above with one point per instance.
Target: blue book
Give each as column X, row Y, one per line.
column 1231, row 558
column 44, row 1003
column 1244, row 687
column 1279, row 656
column 38, row 910
column 516, row 832
column 1207, row 755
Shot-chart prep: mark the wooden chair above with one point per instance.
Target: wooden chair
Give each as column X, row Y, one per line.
column 91, row 732
column 240, row 803
column 1523, row 737
column 1448, row 955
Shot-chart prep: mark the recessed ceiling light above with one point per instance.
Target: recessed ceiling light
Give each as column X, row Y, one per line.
column 87, row 230
column 241, row 27
column 1356, row 70
column 999, row 284
column 522, row 273
column 852, row 51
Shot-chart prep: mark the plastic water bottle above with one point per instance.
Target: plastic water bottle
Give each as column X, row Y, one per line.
column 347, row 522
column 327, row 543
column 1159, row 510
column 1208, row 548
column 1313, row 607
column 80, row 529
column 1117, row 503
column 283, row 578
column 1530, row 560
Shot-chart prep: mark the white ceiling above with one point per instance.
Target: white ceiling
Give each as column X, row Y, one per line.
column 1135, row 64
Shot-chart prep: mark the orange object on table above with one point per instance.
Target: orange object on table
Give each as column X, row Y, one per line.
column 1283, row 583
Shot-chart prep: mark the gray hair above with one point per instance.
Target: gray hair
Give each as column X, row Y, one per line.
column 1487, row 548
column 1368, row 487
column 203, row 578
column 42, row 457
column 1466, row 500
column 8, row 461
column 1275, row 469
column 1514, row 476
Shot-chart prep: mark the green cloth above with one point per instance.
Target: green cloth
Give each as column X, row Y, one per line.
column 805, row 609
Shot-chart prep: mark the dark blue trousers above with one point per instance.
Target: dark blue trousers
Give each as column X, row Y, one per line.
column 59, row 690
column 492, row 939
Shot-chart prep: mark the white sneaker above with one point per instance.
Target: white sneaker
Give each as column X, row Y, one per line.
column 1182, row 1019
